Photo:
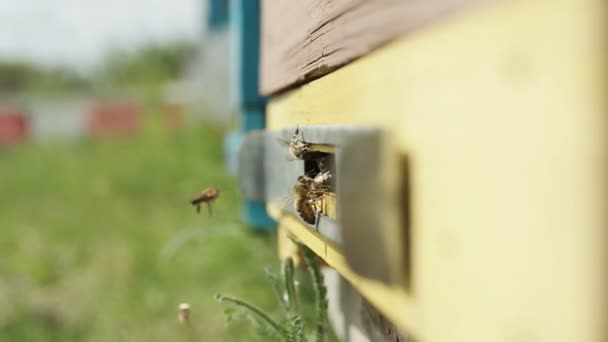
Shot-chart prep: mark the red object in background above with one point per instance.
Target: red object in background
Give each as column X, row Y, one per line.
column 114, row 119
column 13, row 127
column 174, row 115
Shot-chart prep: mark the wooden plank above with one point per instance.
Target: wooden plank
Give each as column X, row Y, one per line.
column 14, row 127
column 369, row 182
column 304, row 40
column 502, row 112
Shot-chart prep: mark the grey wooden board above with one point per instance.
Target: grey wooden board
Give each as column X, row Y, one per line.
column 330, row 229
column 352, row 317
column 250, row 169
column 369, row 205
column 305, row 39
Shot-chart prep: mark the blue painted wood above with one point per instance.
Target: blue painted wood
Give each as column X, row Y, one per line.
column 232, row 144
column 254, row 213
column 245, row 30
column 253, row 118
column 245, row 50
column 217, row 14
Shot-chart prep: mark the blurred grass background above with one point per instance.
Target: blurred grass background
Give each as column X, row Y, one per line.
column 98, row 240
column 100, row 243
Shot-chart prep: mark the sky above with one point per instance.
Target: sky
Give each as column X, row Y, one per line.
column 80, row 32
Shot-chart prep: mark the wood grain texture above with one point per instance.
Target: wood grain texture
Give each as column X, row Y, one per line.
column 306, row 39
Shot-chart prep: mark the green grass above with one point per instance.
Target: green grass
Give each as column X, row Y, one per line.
column 99, row 243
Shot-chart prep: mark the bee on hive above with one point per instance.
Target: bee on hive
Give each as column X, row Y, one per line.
column 299, row 149
column 307, row 195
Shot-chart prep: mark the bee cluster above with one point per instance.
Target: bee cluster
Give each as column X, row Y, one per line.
column 308, row 191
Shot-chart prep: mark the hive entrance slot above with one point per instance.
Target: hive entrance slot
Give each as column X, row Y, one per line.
column 325, row 163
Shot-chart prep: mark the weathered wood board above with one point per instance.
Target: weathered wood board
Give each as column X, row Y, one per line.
column 306, row 39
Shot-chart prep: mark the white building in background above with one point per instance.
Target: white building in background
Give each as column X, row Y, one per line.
column 64, row 119
column 205, row 84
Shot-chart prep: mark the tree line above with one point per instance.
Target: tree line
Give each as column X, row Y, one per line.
column 153, row 63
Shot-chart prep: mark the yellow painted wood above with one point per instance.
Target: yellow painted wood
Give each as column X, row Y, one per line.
column 323, row 148
column 328, row 205
column 502, row 114
column 286, row 247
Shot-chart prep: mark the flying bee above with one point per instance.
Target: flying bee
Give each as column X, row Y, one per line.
column 207, row 196
column 299, row 149
column 307, row 195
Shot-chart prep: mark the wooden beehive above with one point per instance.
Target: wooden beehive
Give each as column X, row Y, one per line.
column 496, row 115
column 13, row 126
column 114, row 118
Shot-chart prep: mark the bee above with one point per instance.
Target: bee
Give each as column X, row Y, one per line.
column 207, row 196
column 304, row 207
column 301, row 149
column 307, row 195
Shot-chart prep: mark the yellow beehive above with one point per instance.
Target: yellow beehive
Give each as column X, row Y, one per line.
column 501, row 112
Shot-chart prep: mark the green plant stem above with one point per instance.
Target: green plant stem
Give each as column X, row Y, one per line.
column 253, row 309
column 288, row 278
column 320, row 291
column 277, row 288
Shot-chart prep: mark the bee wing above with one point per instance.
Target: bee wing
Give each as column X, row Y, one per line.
column 322, row 178
column 209, row 208
column 299, row 133
column 288, row 201
column 288, row 145
column 309, row 173
column 283, row 142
